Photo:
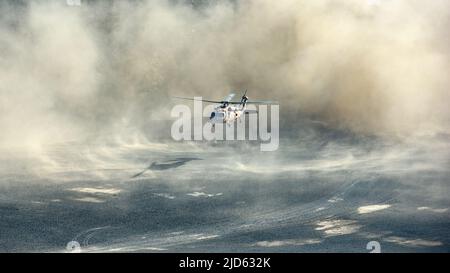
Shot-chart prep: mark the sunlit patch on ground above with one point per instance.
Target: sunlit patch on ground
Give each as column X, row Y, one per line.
column 337, row 227
column 442, row 210
column 110, row 191
column 89, row 199
column 372, row 208
column 203, row 194
column 412, row 242
column 280, row 243
column 165, row 195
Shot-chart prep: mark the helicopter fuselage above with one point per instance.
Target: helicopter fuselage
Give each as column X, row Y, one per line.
column 226, row 114
column 229, row 111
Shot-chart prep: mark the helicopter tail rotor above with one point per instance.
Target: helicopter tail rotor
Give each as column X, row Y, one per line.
column 244, row 98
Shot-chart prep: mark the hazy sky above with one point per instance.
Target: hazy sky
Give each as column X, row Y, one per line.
column 367, row 66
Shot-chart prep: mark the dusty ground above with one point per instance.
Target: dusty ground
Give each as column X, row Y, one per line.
column 312, row 194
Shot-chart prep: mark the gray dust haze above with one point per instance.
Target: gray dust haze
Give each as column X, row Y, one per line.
column 85, row 147
column 367, row 66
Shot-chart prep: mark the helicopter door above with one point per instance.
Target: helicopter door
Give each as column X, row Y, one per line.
column 217, row 117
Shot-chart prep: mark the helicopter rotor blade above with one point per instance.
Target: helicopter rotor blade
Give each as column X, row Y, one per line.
column 255, row 102
column 229, row 101
column 262, row 102
column 184, row 98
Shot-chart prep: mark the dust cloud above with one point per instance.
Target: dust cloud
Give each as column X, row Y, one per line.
column 107, row 67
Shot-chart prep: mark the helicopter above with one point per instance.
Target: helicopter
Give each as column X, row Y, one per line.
column 229, row 111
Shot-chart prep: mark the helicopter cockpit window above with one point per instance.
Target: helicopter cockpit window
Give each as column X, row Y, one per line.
column 213, row 114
